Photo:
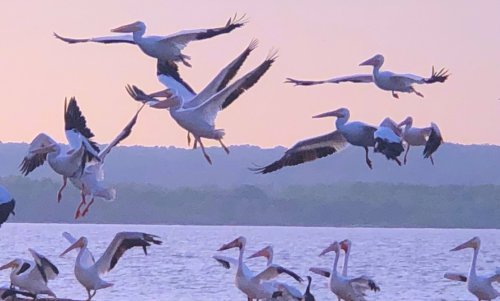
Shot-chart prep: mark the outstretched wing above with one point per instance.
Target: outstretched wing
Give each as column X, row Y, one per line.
column 168, row 74
column 31, row 162
column 363, row 283
column 126, row 39
column 308, row 150
column 273, row 271
column 357, row 78
column 407, row 79
column 46, row 268
column 433, row 142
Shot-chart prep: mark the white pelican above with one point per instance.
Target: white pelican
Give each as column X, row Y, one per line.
column 199, row 119
column 430, row 137
column 479, row 286
column 32, row 277
column 7, row 205
column 88, row 271
column 164, row 48
column 354, row 133
column 385, row 80
column 68, row 161
column 255, row 286
column 388, row 140
column 345, row 288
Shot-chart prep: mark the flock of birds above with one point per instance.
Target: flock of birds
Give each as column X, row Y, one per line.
column 82, row 160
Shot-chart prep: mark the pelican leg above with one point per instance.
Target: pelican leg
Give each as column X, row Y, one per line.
column 406, row 153
column 432, row 160
column 87, row 208
column 397, row 161
column 189, row 138
column 368, row 161
column 93, row 294
column 203, row 150
column 59, row 193
column 223, row 146
column 395, row 95
column 82, row 202
column 416, row 92
column 89, row 295
column 195, row 144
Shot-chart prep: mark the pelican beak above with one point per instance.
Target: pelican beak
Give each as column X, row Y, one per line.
column 132, row 27
column 77, row 244
column 11, row 264
column 234, row 244
column 335, row 113
column 333, row 247
column 344, row 245
column 369, row 62
column 262, row 252
column 468, row 244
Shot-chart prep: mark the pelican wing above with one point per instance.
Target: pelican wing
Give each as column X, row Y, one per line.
column 223, row 78
column 363, row 283
column 26, row 266
column 407, row 79
column 46, row 268
column 182, row 38
column 357, row 78
column 120, row 244
column 273, row 271
column 433, row 142
column 168, row 74
column 321, row 271
column 495, row 277
column 226, row 96
column 290, row 290
column 308, row 150
column 31, row 162
column 232, row 263
column 87, row 257
column 127, row 39
column 456, row 277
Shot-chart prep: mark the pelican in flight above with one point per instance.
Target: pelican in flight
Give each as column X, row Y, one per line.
column 385, row 80
column 199, row 117
column 7, row 205
column 255, row 286
column 354, row 133
column 163, row 48
column 88, row 271
column 388, row 140
column 430, row 137
column 32, row 277
column 346, row 288
column 479, row 286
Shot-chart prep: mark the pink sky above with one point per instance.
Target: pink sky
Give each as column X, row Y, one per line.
column 316, row 40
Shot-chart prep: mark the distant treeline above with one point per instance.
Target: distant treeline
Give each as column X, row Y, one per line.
column 349, row 204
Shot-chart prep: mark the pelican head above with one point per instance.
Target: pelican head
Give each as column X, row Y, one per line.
column 375, row 61
column 339, row 113
column 408, row 121
column 14, row 264
column 80, row 243
column 237, row 243
column 345, row 245
column 474, row 243
column 138, row 26
column 266, row 252
column 332, row 247
column 42, row 144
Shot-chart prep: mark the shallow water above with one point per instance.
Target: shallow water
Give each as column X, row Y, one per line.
column 408, row 264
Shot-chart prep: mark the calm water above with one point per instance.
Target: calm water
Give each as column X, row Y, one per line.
column 408, row 264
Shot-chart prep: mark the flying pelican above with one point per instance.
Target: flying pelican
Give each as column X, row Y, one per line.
column 255, row 286
column 88, row 271
column 168, row 75
column 479, row 286
column 164, row 48
column 200, row 119
column 345, row 288
column 354, row 133
column 388, row 140
column 429, row 136
column 7, row 204
column 385, row 80
column 32, row 277
column 68, row 161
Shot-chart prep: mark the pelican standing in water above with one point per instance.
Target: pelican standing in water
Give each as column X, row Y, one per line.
column 32, row 277
column 200, row 118
column 385, row 80
column 354, row 133
column 479, row 286
column 88, row 271
column 430, row 137
column 164, row 48
column 7, row 205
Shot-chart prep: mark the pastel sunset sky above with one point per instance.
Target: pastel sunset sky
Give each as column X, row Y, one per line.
column 316, row 40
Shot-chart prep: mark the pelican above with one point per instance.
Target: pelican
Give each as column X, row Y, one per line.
column 88, row 271
column 429, row 136
column 354, row 133
column 200, row 118
column 479, row 286
column 388, row 140
column 164, row 48
column 32, row 277
column 255, row 286
column 68, row 161
column 385, row 80
column 345, row 288
column 7, row 205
